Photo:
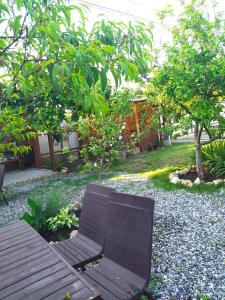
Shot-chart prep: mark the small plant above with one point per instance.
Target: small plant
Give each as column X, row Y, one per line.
column 42, row 208
column 213, row 156
column 203, row 297
column 63, row 219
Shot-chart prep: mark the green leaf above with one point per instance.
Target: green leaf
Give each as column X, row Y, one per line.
column 103, row 79
column 9, row 89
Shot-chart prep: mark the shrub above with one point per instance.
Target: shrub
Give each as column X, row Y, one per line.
column 42, row 208
column 213, row 156
column 64, row 218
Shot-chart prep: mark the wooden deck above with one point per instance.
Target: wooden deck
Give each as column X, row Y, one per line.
column 30, row 269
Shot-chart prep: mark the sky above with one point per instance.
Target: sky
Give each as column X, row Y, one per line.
column 145, row 10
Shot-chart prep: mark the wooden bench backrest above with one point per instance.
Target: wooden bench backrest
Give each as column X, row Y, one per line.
column 94, row 212
column 128, row 240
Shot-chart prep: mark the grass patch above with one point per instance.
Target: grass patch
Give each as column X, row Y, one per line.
column 168, row 156
column 158, row 164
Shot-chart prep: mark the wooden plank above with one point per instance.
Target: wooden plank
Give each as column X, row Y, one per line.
column 24, row 244
column 91, row 243
column 105, row 294
column 54, row 286
column 121, row 277
column 83, row 244
column 12, row 226
column 13, row 233
column 107, row 284
column 65, row 253
column 30, row 269
column 25, row 263
column 19, row 255
column 73, row 253
column 16, row 241
column 82, row 294
column 23, row 287
column 81, row 252
column 70, row 288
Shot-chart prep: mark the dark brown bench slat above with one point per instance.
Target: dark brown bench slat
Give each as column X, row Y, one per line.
column 70, row 288
column 30, row 267
column 27, row 269
column 89, row 241
column 82, row 294
column 105, row 294
column 10, row 259
column 68, row 255
column 86, row 246
column 108, row 284
column 23, row 263
column 25, row 244
column 23, row 288
column 56, row 285
column 127, row 252
column 10, row 227
column 128, row 281
column 80, row 251
column 12, row 233
column 16, row 241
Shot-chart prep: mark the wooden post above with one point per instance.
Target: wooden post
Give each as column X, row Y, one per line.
column 136, row 117
column 52, row 152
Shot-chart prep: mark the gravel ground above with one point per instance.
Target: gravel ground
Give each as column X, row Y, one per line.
column 189, row 239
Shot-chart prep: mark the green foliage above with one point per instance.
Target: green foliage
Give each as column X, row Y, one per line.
column 213, row 156
column 203, row 297
column 43, row 208
column 102, row 138
column 63, row 219
column 50, row 62
column 190, row 83
column 14, row 129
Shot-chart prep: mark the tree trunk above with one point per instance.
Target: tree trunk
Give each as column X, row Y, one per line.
column 199, row 167
column 52, row 152
column 198, row 152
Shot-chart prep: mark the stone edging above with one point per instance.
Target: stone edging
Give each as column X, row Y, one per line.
column 174, row 178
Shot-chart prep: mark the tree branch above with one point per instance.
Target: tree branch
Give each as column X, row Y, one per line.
column 15, row 39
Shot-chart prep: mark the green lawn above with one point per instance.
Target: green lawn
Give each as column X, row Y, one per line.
column 155, row 165
column 174, row 155
column 158, row 164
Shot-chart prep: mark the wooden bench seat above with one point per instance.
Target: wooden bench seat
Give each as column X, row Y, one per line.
column 88, row 244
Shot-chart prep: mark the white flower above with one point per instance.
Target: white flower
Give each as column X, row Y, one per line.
column 120, row 138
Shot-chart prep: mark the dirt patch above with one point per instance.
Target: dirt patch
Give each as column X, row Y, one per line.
column 192, row 175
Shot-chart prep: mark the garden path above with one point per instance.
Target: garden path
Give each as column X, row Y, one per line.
column 18, row 176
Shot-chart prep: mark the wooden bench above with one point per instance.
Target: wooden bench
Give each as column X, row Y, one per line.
column 124, row 271
column 88, row 244
column 30, row 269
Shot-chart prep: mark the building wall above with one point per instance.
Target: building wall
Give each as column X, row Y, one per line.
column 70, row 141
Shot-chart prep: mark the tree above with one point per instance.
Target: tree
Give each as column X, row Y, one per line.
column 191, row 80
column 51, row 63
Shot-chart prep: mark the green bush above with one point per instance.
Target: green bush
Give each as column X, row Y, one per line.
column 43, row 208
column 63, row 219
column 213, row 156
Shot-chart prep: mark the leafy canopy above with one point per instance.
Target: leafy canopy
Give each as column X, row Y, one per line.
column 192, row 78
column 50, row 62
